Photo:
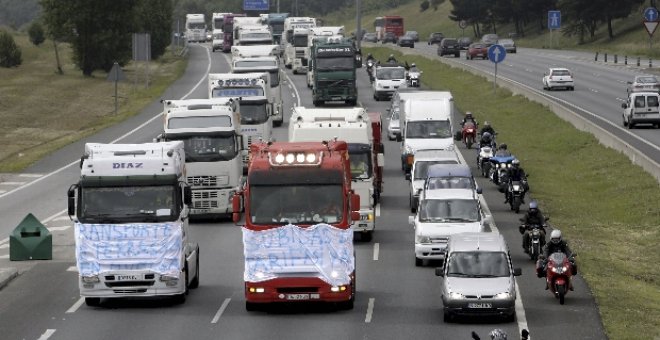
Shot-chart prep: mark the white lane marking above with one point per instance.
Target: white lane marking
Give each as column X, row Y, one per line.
column 376, row 251
column 378, row 210
column 76, row 162
column 3, row 246
column 12, row 183
column 621, row 99
column 520, row 311
column 3, row 191
column 61, row 218
column 293, row 95
column 370, row 310
column 593, row 90
column 53, row 216
column 295, row 89
column 218, row 314
column 4, row 257
column 76, row 305
column 72, row 269
column 4, row 240
column 62, row 228
column 30, row 175
column 47, row 334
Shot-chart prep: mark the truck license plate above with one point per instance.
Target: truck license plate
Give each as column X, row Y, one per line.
column 297, row 296
column 480, row 305
column 127, row 277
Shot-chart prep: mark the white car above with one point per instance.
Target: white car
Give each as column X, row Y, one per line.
column 388, row 78
column 558, row 78
column 641, row 108
column 394, row 126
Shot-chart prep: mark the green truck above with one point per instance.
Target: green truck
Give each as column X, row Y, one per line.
column 332, row 65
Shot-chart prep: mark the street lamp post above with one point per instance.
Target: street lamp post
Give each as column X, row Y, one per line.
column 358, row 15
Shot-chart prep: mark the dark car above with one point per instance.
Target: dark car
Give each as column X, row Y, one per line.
column 406, row 40
column 370, row 37
column 464, row 42
column 435, row 38
column 490, row 39
column 449, row 46
column 389, row 37
column 413, row 34
column 477, row 50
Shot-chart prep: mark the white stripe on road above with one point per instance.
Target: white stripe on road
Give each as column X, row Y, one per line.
column 62, row 228
column 53, row 216
column 520, row 311
column 293, row 95
column 76, row 305
column 72, row 269
column 47, row 334
column 2, row 257
column 61, row 218
column 30, row 175
column 12, row 183
column 3, row 246
column 218, row 314
column 378, row 210
column 294, row 88
column 4, row 240
column 370, row 310
column 376, row 251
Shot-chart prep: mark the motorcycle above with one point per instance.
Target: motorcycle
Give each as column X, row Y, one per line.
column 515, row 194
column 483, row 160
column 413, row 78
column 370, row 69
column 499, row 168
column 469, row 134
column 536, row 239
column 558, row 272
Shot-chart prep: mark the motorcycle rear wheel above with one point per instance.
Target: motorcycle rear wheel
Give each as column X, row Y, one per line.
column 535, row 251
column 515, row 204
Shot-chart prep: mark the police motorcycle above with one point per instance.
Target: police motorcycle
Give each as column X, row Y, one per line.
column 413, row 78
column 536, row 241
column 371, row 64
column 499, row 166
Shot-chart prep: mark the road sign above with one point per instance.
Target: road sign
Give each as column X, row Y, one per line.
column 651, row 26
column 255, row 5
column 496, row 53
column 462, row 24
column 651, row 14
column 554, row 20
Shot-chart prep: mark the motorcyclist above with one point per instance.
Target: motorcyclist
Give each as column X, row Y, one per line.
column 371, row 57
column 391, row 59
column 534, row 216
column 502, row 151
column 516, row 173
column 413, row 68
column 487, row 128
column 468, row 117
column 557, row 245
column 486, row 140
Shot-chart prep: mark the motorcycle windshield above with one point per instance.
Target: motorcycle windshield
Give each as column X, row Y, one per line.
column 558, row 258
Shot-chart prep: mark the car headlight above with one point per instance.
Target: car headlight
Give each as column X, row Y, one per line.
column 422, row 239
column 505, row 295
column 455, row 296
column 408, row 149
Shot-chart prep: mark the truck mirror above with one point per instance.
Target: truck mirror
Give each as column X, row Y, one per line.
column 411, row 220
column 439, row 272
column 380, row 158
column 187, row 195
column 355, row 202
column 355, row 215
column 236, row 203
column 624, row 106
column 71, row 200
column 408, row 177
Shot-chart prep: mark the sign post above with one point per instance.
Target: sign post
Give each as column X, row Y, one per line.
column 650, row 23
column 496, row 54
column 462, row 24
column 554, row 23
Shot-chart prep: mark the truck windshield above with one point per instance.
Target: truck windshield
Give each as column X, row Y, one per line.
column 300, row 40
column 195, row 25
column 335, row 63
column 208, row 148
column 277, row 27
column 296, row 204
column 387, row 73
column 436, row 210
column 428, row 129
column 422, row 168
column 253, row 113
column 478, row 264
column 360, row 165
column 128, row 204
column 256, row 36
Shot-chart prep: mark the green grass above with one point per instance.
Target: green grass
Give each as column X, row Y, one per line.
column 42, row 111
column 607, row 207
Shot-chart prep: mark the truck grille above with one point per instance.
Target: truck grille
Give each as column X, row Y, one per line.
column 203, row 181
column 300, row 54
column 129, row 284
column 439, row 240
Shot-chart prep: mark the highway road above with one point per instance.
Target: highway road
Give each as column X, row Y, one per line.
column 395, row 299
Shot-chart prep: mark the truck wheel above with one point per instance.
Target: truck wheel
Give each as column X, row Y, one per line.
column 352, row 102
column 630, row 124
column 93, row 302
column 624, row 122
column 251, row 306
column 317, row 103
column 278, row 122
column 418, row 262
column 195, row 281
column 366, row 237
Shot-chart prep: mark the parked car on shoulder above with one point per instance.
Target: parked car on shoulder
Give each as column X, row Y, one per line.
column 477, row 50
column 644, row 84
column 641, row 108
column 490, row 39
column 558, row 78
column 464, row 42
column 389, row 37
column 413, row 34
column 406, row 41
column 449, row 46
column 370, row 37
column 508, row 44
column 435, row 38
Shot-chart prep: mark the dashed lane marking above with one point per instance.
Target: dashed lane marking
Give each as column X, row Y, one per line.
column 370, row 310
column 12, row 183
column 76, row 305
column 221, row 310
column 47, row 334
column 376, row 251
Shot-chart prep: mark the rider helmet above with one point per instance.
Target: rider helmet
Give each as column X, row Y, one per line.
column 413, row 65
column 515, row 163
column 555, row 236
column 468, row 115
column 503, row 146
column 486, row 137
column 486, row 124
column 533, row 205
column 369, row 55
column 497, row 334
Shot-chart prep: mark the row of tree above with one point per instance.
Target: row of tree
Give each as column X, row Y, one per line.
column 100, row 31
column 579, row 17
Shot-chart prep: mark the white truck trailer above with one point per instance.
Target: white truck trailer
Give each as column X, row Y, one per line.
column 130, row 213
column 195, row 28
column 353, row 126
column 211, row 132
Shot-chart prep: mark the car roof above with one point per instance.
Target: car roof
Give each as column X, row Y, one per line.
column 559, row 69
column 450, row 194
column 646, row 76
column 446, row 170
column 435, row 155
column 473, row 241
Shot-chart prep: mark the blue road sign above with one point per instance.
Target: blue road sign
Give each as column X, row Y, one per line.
column 554, row 20
column 651, row 14
column 496, row 53
column 255, row 5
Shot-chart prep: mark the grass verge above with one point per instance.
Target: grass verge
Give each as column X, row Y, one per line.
column 606, row 206
column 43, row 111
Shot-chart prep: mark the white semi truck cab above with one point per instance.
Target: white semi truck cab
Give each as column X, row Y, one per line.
column 294, row 39
column 130, row 208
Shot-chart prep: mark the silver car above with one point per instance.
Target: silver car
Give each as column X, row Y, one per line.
column 478, row 277
column 644, row 84
column 394, row 127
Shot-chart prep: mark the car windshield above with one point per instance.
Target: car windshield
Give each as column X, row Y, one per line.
column 647, row 80
column 300, row 41
column 449, row 42
column 506, row 42
column 449, row 183
column 428, row 129
column 447, row 211
column 422, row 167
column 153, row 203
column 478, row 264
column 561, row 73
column 387, row 73
column 296, row 204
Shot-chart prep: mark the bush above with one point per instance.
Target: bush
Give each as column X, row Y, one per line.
column 36, row 33
column 10, row 53
column 424, row 6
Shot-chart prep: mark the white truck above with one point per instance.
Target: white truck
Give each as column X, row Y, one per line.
column 218, row 21
column 254, row 35
column 262, row 58
column 130, row 213
column 294, row 37
column 426, row 125
column 211, row 132
column 256, row 113
column 244, row 22
column 353, row 126
column 320, row 34
column 195, row 28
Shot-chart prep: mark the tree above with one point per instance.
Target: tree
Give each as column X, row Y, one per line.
column 36, row 33
column 424, row 6
column 155, row 17
column 10, row 53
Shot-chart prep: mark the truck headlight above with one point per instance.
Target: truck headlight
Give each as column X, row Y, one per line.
column 422, row 239
column 90, row 279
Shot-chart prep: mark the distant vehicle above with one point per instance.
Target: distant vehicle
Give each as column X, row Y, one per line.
column 209, row 36
column 394, row 127
column 449, row 46
column 389, row 77
column 406, row 41
column 413, row 34
column 490, row 39
column 389, row 37
column 435, row 38
column 641, row 108
column 477, row 50
column 508, row 44
column 644, row 84
column 195, row 28
column 558, row 77
column 370, row 37
column 393, row 23
column 464, row 42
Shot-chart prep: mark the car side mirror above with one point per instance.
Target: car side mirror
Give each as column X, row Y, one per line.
column 479, row 191
column 439, row 272
column 629, row 82
column 517, row 271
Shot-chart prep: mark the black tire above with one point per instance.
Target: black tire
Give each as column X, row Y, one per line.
column 515, row 205
column 457, row 55
column 630, row 125
column 624, row 122
column 561, row 292
column 278, row 122
column 195, row 281
column 572, row 88
column 251, row 306
column 535, row 252
column 366, row 237
column 317, row 103
column 418, row 262
column 511, row 317
column 93, row 302
column 446, row 317
column 288, row 66
column 352, row 102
